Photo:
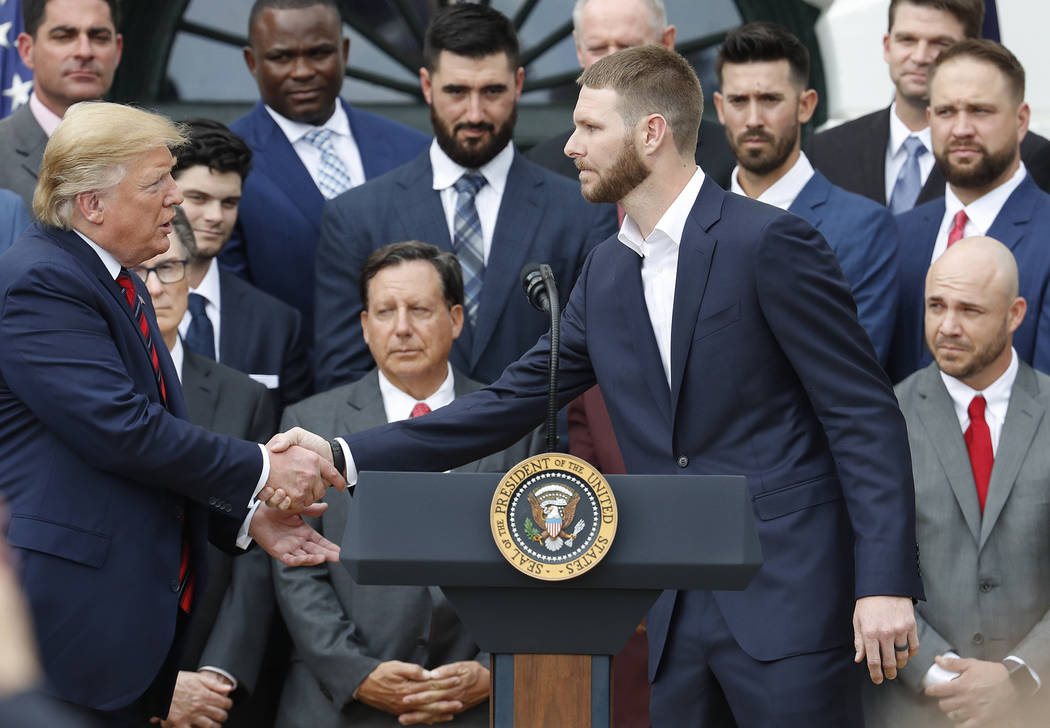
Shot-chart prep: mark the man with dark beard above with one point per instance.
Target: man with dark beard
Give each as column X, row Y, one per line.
column 980, row 450
column 763, row 72
column 978, row 118
column 470, row 193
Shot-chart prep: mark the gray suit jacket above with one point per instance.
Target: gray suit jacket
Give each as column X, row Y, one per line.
column 987, row 577
column 342, row 630
column 22, row 143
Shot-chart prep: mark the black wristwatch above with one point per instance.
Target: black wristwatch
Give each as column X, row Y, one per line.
column 1021, row 677
column 339, row 460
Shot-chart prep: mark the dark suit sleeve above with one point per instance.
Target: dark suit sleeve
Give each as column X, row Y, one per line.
column 806, row 303
column 59, row 357
column 491, row 419
column 296, row 377
column 873, row 277
column 340, row 353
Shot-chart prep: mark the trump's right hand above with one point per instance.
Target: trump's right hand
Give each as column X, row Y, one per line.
column 298, row 477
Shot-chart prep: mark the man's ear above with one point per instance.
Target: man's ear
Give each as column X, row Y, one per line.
column 90, row 207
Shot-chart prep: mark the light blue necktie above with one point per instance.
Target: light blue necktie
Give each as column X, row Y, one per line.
column 909, row 180
column 333, row 177
column 467, row 242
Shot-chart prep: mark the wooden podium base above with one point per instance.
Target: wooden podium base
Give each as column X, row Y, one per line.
column 551, row 691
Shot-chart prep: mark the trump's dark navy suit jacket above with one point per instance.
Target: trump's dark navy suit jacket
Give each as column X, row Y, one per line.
column 772, row 377
column 542, row 218
column 98, row 474
column 275, row 240
column 1022, row 225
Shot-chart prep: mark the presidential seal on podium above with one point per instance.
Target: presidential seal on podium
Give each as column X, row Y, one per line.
column 553, row 516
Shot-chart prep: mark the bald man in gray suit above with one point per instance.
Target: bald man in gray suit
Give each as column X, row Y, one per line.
column 979, row 431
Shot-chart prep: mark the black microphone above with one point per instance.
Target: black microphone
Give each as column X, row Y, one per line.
column 534, row 287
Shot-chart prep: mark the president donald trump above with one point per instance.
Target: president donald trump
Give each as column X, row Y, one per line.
column 111, row 492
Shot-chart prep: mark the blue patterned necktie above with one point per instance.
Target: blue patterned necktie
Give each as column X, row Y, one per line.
column 467, row 242
column 333, row 177
column 909, row 180
column 200, row 336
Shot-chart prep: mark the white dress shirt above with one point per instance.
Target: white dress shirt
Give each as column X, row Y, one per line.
column 211, row 290
column 342, row 140
column 243, row 539
column 44, row 116
column 980, row 214
column 399, row 404
column 659, row 254
column 896, row 156
column 997, row 401
column 178, row 356
column 488, row 198
column 783, row 192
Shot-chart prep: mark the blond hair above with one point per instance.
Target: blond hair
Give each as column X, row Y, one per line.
column 651, row 79
column 91, row 150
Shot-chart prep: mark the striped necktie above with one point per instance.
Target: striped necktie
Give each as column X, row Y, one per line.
column 467, row 242
column 333, row 178
column 138, row 312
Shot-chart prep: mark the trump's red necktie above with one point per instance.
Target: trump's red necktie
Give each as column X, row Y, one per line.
column 979, row 444
column 138, row 312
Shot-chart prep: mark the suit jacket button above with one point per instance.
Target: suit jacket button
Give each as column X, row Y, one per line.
column 175, row 584
column 179, row 513
column 211, row 501
column 985, row 587
column 683, row 461
column 229, row 508
column 978, row 639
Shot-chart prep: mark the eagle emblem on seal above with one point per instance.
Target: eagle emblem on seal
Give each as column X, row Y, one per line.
column 553, row 511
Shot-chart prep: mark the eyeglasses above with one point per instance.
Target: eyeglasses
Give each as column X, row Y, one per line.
column 170, row 271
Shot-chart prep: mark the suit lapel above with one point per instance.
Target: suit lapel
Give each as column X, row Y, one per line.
column 810, row 201
column 694, row 264
column 363, row 407
column 202, row 397
column 520, row 211
column 938, row 417
column 376, row 155
column 29, row 140
column 638, row 328
column 1023, row 417
column 1012, row 221
column 871, row 158
column 231, row 309
column 933, row 188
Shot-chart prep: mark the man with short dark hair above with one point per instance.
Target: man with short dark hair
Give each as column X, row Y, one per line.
column 978, row 117
column 351, row 666
column 725, row 340
column 763, row 72
column 309, row 145
column 229, row 320
column 73, row 48
column 601, row 27
column 979, row 432
column 471, row 193
column 887, row 155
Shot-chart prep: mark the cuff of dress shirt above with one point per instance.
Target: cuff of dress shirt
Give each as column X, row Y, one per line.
column 351, row 466
column 220, row 671
column 1022, row 663
column 937, row 674
column 243, row 539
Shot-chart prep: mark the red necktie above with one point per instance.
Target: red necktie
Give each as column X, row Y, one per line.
column 420, row 409
column 958, row 225
column 979, row 444
column 138, row 311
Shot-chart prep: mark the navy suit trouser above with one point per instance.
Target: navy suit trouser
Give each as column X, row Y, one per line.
column 706, row 680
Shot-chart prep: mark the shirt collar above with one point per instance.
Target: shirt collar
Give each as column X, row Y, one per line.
column 44, row 116
column 784, row 191
column 111, row 263
column 210, row 288
column 337, row 123
column 398, row 403
column 177, row 357
column 996, row 395
column 671, row 223
column 983, row 211
column 899, row 132
column 495, row 171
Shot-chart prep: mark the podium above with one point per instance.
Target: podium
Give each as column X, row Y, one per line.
column 551, row 642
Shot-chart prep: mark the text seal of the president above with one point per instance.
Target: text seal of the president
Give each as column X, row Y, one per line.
column 553, row 516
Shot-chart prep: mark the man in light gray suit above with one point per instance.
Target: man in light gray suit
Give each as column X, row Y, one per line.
column 979, row 430
column 364, row 655
column 73, row 48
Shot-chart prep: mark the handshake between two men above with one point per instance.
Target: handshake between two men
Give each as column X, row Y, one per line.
column 298, row 477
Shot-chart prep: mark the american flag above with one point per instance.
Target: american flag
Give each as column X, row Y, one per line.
column 16, row 81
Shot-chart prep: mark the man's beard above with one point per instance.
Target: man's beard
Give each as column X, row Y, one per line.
column 980, row 175
column 625, row 173
column 483, row 149
column 762, row 161
column 979, row 359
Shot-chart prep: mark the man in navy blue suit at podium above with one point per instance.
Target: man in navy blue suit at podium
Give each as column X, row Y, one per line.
column 725, row 340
